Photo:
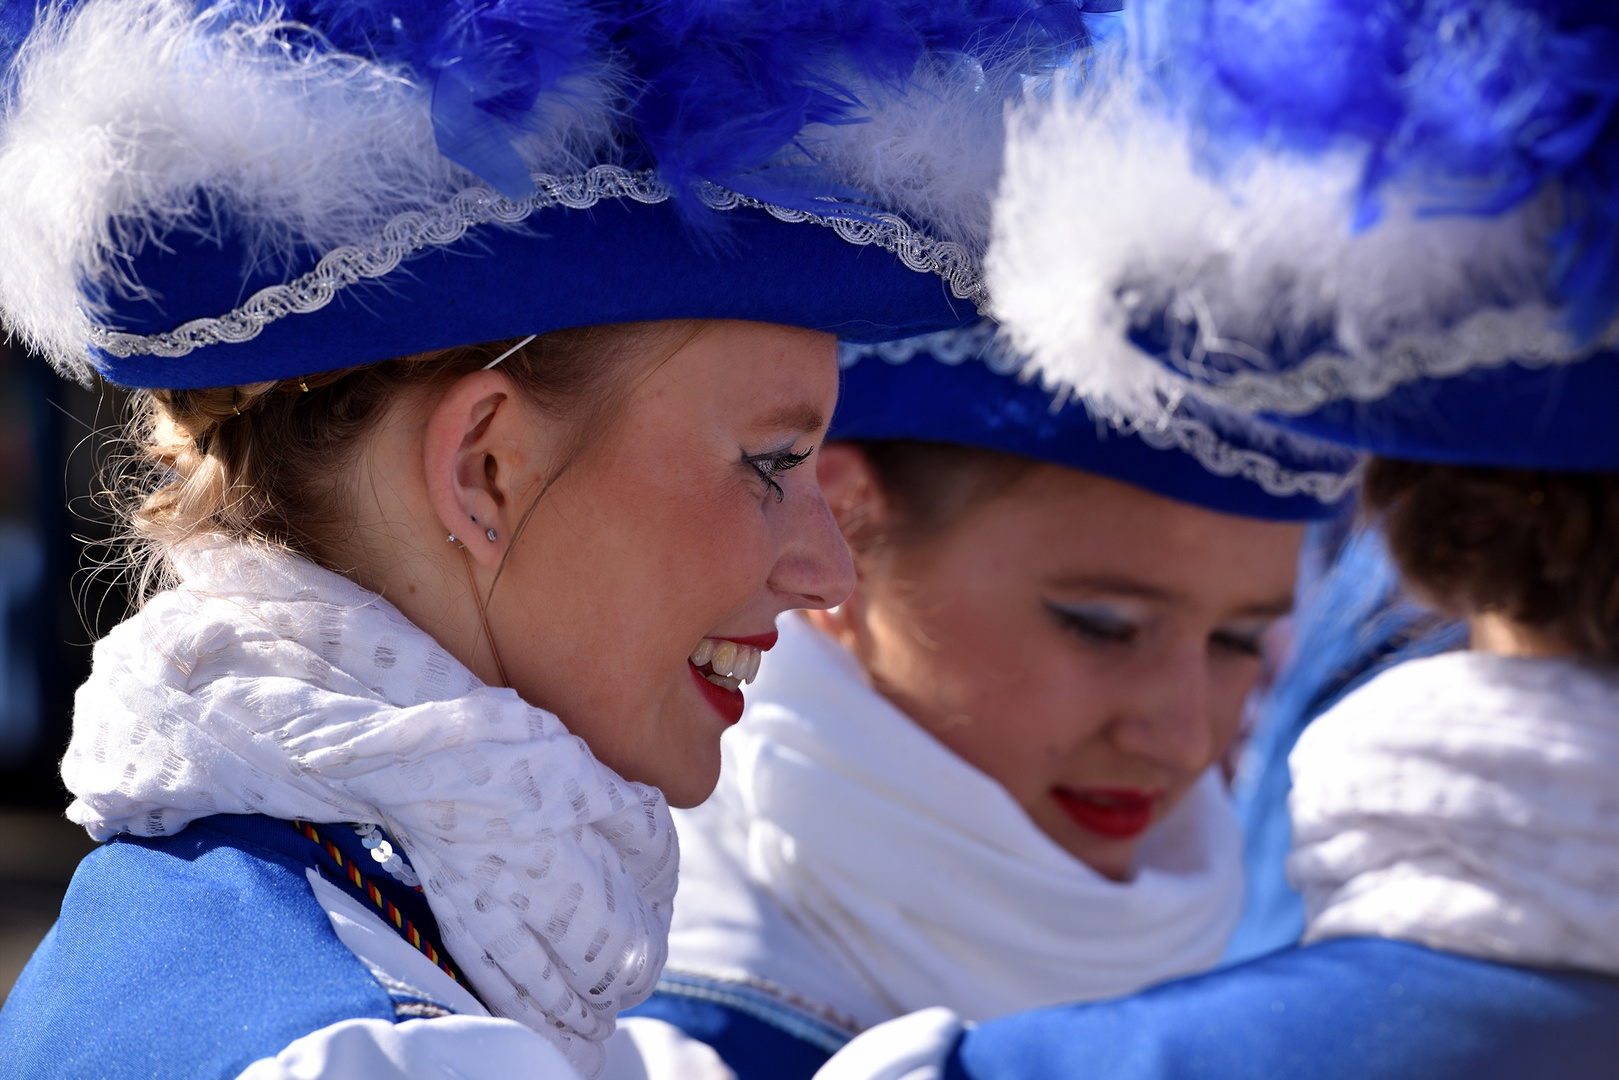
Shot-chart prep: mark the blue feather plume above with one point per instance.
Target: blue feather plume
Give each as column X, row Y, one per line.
column 1476, row 104
column 712, row 90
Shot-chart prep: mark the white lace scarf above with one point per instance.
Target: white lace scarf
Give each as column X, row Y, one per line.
column 918, row 879
column 1468, row 802
column 266, row 685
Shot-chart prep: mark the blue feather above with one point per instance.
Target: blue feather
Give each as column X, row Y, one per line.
column 1476, row 104
column 713, row 90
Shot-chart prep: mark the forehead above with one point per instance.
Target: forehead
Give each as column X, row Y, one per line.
column 1066, row 526
column 781, row 376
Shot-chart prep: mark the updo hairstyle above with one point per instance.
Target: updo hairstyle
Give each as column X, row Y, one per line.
column 1539, row 548
column 275, row 462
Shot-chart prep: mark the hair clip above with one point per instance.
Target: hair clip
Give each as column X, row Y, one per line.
column 509, row 351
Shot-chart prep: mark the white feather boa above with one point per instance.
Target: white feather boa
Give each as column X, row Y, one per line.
column 266, row 685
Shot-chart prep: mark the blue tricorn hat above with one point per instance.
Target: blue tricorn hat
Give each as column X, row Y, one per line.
column 217, row 192
column 963, row 387
column 1393, row 224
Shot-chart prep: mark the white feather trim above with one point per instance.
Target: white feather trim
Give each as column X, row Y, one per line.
column 1105, row 215
column 126, row 109
column 931, row 150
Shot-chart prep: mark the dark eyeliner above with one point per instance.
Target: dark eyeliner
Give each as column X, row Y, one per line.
column 1090, row 628
column 1241, row 644
column 773, row 463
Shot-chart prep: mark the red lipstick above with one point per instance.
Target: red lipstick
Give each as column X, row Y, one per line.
column 728, row 703
column 1116, row 813
column 762, row 642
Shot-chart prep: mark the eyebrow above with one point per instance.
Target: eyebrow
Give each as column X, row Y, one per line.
column 1125, row 586
column 799, row 417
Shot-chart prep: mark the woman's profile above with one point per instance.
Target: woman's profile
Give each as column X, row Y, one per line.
column 480, row 354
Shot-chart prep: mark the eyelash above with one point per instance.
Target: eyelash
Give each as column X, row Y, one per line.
column 1239, row 644
column 1092, row 630
column 1102, row 632
column 774, row 463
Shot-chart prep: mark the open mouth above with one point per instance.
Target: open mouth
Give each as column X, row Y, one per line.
column 725, row 663
column 1115, row 813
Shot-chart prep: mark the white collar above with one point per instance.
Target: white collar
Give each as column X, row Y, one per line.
column 915, row 879
column 1469, row 802
column 267, row 685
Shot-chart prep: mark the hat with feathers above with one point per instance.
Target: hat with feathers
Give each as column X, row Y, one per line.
column 1391, row 223
column 198, row 193
column 964, row 387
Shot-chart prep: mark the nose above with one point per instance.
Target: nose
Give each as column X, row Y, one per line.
column 813, row 568
column 1171, row 722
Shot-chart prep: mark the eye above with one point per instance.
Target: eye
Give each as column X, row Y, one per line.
column 1094, row 624
column 773, row 463
column 1240, row 642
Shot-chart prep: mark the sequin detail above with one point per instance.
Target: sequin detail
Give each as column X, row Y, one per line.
column 390, row 912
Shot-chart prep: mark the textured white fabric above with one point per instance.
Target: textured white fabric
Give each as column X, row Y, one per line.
column 446, row 1048
column 912, row 1047
column 1468, row 802
column 916, row 879
column 644, row 1048
column 266, row 685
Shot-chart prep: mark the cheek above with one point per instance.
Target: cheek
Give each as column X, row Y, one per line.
column 1230, row 683
column 1030, row 712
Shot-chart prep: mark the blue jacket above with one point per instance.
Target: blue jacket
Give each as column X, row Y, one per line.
column 1348, row 1009
column 193, row 956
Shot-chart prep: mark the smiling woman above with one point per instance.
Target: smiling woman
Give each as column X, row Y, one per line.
column 483, row 350
column 985, row 780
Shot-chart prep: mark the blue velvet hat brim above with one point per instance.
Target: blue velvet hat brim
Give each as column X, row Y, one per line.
column 968, row 404
column 619, row 261
column 1559, row 417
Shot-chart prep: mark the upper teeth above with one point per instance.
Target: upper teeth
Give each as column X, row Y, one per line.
column 728, row 659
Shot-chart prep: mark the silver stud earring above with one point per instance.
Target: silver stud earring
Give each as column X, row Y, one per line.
column 491, row 535
column 450, row 539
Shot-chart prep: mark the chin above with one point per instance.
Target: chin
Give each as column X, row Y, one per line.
column 690, row 790
column 691, row 777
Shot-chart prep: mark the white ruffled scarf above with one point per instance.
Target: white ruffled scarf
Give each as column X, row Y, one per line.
column 266, row 685
column 917, row 878
column 1468, row 802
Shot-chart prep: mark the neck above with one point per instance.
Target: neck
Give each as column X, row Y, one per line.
column 1497, row 634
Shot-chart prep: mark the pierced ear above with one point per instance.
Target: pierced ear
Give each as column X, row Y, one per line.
column 850, row 485
column 477, row 462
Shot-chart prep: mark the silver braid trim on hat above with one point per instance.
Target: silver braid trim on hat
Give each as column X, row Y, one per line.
column 1527, row 335
column 414, row 231
column 1173, row 431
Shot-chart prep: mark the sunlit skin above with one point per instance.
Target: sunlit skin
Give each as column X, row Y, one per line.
column 1069, row 634
column 660, row 534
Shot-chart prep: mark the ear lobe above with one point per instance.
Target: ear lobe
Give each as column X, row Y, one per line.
column 475, row 461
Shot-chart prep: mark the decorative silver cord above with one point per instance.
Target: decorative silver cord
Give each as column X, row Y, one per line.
column 1174, row 431
column 1528, row 336
column 413, row 231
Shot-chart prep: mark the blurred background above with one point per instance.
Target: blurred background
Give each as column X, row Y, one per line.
column 54, row 443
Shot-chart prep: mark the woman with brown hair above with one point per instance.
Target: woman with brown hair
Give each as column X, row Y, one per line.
column 1390, row 226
